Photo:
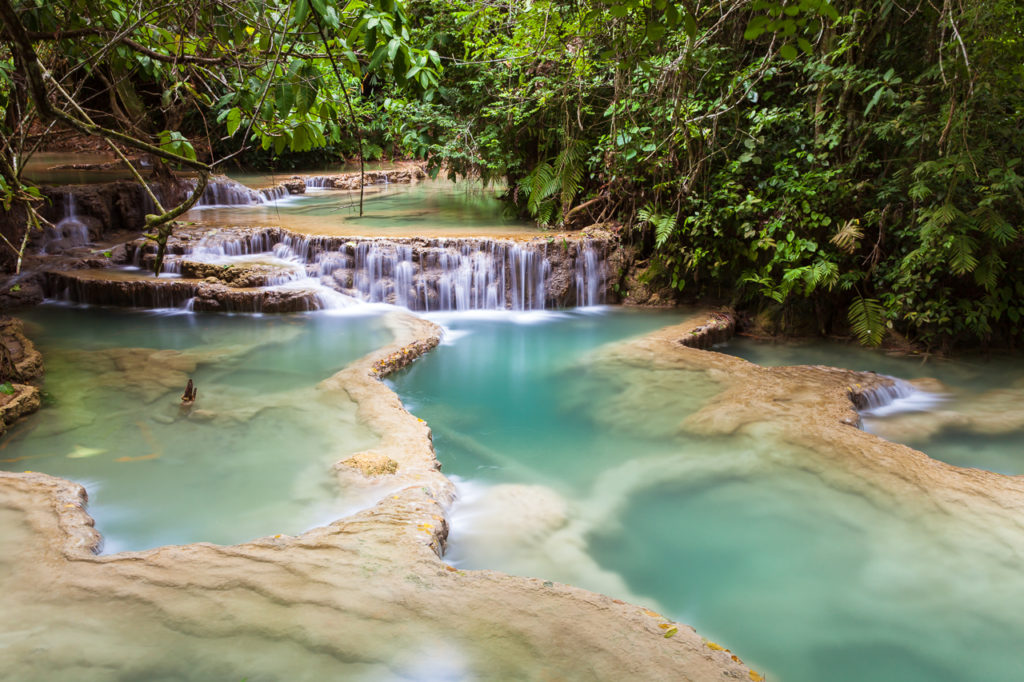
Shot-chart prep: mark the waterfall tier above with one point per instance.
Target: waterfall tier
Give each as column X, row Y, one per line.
column 421, row 274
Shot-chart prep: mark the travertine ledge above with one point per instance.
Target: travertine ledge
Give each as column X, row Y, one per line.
column 365, row 596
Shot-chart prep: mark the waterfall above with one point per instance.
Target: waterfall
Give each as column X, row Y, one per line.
column 590, row 277
column 899, row 397
column 274, row 193
column 320, row 182
column 429, row 274
column 69, row 232
column 223, row 191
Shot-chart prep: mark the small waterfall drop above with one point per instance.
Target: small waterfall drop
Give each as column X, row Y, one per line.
column 590, row 276
column 319, row 182
column 897, row 398
column 223, row 191
column 69, row 232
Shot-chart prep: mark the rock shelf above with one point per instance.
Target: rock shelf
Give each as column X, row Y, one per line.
column 367, row 595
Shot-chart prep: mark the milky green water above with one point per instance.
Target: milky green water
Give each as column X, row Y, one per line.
column 251, row 458
column 978, row 422
column 572, row 467
column 427, row 208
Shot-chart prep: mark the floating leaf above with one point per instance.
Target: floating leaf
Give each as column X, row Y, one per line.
column 81, row 452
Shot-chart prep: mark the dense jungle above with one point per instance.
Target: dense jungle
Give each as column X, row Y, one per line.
column 842, row 167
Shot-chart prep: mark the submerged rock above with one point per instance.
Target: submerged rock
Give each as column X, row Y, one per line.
column 371, row 464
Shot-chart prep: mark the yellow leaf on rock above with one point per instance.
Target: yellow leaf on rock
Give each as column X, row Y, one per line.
column 755, row 677
column 715, row 647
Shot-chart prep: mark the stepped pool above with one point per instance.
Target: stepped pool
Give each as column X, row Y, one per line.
column 582, row 452
column 427, row 208
column 573, row 464
column 252, row 457
column 573, row 461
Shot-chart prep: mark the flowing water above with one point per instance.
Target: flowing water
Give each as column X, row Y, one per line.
column 252, row 457
column 968, row 411
column 572, row 463
column 574, row 468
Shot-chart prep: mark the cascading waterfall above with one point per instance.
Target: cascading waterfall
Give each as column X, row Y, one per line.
column 429, row 275
column 899, row 397
column 319, row 182
column 221, row 191
column 70, row 231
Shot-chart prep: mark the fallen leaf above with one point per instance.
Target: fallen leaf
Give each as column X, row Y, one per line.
column 80, row 452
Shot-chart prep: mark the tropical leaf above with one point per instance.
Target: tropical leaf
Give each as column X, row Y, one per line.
column 848, row 235
column 664, row 224
column 987, row 273
column 962, row 259
column 569, row 169
column 993, row 224
column 867, row 320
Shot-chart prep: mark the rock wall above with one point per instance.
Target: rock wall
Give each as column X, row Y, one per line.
column 26, row 365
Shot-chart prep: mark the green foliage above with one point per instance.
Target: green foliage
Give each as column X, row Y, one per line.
column 867, row 320
column 823, row 154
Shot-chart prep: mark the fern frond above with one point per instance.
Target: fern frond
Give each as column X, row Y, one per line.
column 946, row 214
column 994, row 225
column 569, row 167
column 987, row 273
column 867, row 320
column 541, row 180
column 847, row 236
column 664, row 226
column 822, row 273
column 962, row 259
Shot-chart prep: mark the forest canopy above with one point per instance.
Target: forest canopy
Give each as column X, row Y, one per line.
column 857, row 164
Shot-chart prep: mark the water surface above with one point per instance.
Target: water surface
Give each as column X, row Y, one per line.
column 251, row 458
column 973, row 415
column 575, row 465
column 427, row 208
